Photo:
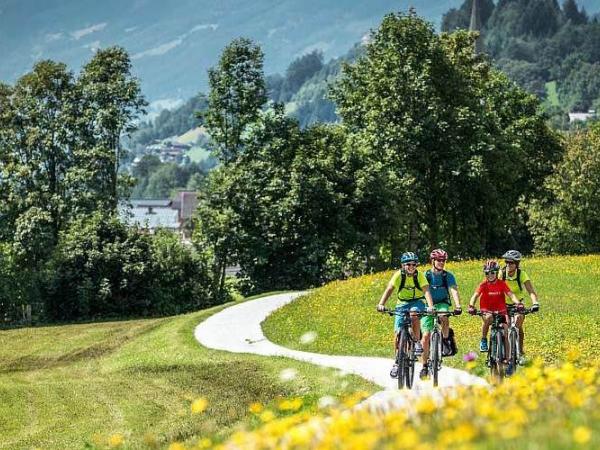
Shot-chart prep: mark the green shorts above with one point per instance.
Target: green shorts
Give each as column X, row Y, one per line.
column 427, row 322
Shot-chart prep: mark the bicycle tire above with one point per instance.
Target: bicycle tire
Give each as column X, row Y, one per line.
column 513, row 343
column 500, row 354
column 435, row 356
column 403, row 360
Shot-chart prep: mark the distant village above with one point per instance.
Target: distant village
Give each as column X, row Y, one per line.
column 167, row 150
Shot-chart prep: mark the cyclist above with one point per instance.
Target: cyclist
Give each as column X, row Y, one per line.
column 412, row 287
column 491, row 293
column 442, row 284
column 517, row 279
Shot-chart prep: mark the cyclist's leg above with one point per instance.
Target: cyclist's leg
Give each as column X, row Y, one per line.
column 485, row 326
column 427, row 324
column 444, row 320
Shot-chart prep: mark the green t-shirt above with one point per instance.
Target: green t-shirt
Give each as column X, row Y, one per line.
column 514, row 286
column 409, row 292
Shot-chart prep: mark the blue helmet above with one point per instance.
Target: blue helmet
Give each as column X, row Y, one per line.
column 409, row 257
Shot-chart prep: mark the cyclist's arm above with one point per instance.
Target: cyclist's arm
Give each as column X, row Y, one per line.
column 474, row 298
column 386, row 295
column 532, row 292
column 428, row 296
column 454, row 292
column 512, row 295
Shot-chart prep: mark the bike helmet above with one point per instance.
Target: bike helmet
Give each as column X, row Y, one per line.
column 513, row 255
column 439, row 254
column 491, row 265
column 409, row 257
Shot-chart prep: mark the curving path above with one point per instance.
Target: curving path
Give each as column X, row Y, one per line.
column 237, row 329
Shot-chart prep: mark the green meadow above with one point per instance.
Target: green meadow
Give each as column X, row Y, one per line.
column 342, row 318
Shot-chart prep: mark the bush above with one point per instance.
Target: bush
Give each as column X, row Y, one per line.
column 101, row 268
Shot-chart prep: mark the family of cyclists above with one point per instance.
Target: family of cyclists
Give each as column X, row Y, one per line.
column 503, row 289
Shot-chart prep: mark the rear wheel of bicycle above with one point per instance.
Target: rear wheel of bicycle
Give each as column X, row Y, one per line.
column 403, row 360
column 435, row 352
column 513, row 344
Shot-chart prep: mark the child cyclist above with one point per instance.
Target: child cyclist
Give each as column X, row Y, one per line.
column 518, row 281
column 412, row 288
column 491, row 293
column 442, row 284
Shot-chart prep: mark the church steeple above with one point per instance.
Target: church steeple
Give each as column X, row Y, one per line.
column 476, row 25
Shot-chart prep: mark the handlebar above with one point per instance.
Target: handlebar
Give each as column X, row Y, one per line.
column 393, row 312
column 509, row 312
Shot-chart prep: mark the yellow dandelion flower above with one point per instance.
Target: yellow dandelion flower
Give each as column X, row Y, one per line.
column 176, row 446
column 116, row 440
column 204, row 443
column 582, row 435
column 199, row 405
column 426, row 406
column 256, row 408
column 267, row 416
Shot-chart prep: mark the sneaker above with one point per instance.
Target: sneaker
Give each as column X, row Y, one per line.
column 394, row 371
column 483, row 345
column 522, row 360
column 424, row 372
column 418, row 348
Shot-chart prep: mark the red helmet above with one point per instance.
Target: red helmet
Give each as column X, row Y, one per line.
column 491, row 265
column 439, row 254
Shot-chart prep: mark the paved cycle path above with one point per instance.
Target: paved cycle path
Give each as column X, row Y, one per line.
column 238, row 329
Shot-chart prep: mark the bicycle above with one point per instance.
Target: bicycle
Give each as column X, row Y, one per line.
column 496, row 354
column 405, row 355
column 514, row 348
column 435, row 345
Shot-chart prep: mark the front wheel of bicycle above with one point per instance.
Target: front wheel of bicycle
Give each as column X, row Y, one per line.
column 404, row 360
column 435, row 352
column 513, row 345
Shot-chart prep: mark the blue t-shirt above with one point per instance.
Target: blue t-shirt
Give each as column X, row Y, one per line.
column 438, row 292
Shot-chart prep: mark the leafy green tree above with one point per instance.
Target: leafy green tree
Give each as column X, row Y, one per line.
column 443, row 133
column 237, row 93
column 110, row 100
column 565, row 218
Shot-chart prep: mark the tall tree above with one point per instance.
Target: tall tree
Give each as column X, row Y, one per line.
column 444, row 133
column 110, row 100
column 237, row 93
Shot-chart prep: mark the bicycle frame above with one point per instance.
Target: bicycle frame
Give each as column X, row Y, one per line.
column 514, row 345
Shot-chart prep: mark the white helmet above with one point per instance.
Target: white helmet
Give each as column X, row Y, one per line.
column 513, row 255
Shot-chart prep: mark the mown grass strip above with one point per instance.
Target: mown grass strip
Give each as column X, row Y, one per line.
column 63, row 387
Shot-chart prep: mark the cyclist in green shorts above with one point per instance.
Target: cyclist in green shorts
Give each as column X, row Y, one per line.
column 442, row 285
column 412, row 288
column 517, row 279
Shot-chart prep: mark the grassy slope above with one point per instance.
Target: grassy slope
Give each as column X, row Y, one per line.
column 343, row 313
column 63, row 386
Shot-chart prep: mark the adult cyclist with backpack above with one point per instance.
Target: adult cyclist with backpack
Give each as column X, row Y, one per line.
column 519, row 282
column 442, row 285
column 412, row 288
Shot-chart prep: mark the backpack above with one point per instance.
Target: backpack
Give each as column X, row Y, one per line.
column 415, row 281
column 449, row 347
column 503, row 277
column 429, row 276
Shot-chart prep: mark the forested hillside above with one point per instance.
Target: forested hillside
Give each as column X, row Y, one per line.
column 537, row 42
column 551, row 50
